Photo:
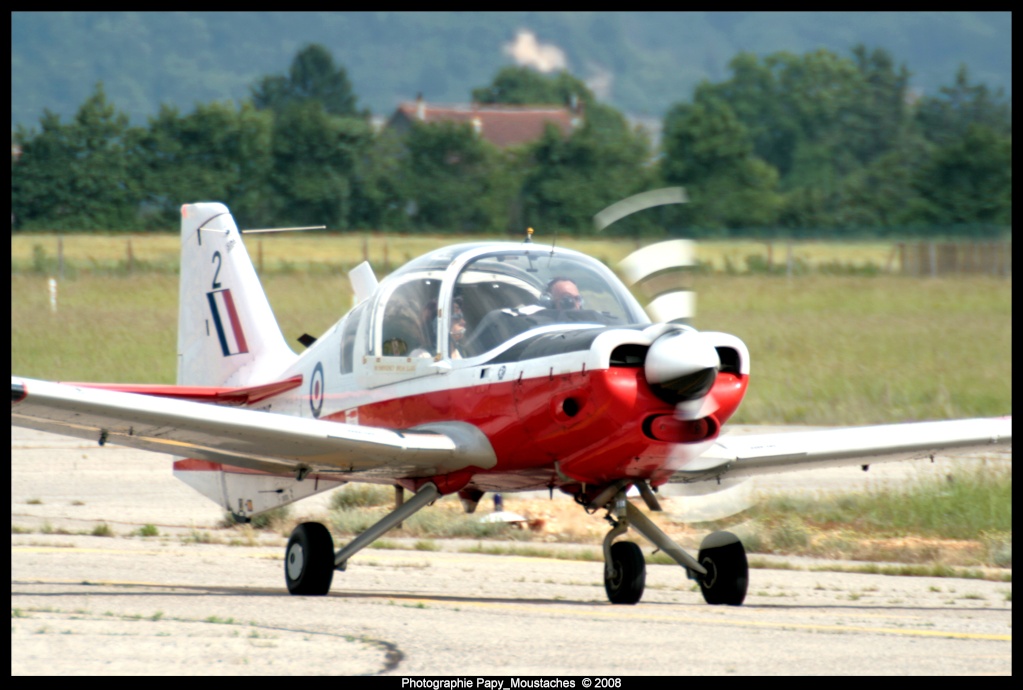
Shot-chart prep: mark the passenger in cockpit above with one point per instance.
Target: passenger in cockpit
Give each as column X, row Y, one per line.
column 458, row 328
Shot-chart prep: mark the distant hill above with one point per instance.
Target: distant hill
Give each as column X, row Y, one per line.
column 641, row 63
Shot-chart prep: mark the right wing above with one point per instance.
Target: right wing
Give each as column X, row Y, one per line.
column 251, row 439
column 756, row 454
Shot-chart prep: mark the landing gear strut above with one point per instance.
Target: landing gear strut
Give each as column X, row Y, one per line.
column 720, row 567
column 310, row 561
column 624, row 566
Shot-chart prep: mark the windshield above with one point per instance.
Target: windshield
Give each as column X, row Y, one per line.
column 504, row 294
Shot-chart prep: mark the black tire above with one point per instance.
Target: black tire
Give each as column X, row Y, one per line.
column 309, row 560
column 626, row 585
column 727, row 577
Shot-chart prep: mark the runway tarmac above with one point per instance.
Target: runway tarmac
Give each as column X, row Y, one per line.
column 174, row 605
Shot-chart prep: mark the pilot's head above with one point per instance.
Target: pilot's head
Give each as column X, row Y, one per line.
column 564, row 294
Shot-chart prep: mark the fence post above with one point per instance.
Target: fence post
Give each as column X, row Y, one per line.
column 891, row 259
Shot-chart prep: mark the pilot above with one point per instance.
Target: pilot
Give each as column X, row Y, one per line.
column 560, row 295
column 564, row 294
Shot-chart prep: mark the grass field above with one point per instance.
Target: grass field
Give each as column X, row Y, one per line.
column 823, row 349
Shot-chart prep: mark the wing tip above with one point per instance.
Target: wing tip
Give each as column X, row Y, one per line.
column 18, row 391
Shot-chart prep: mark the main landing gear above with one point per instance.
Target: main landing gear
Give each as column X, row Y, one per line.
column 310, row 561
column 720, row 567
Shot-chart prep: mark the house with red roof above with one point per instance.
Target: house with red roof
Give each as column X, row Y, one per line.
column 502, row 125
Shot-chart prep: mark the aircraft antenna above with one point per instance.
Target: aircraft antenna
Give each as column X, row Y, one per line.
column 307, row 227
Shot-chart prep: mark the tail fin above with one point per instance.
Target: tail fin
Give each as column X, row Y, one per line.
column 227, row 333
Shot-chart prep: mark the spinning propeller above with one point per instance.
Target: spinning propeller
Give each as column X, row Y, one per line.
column 681, row 365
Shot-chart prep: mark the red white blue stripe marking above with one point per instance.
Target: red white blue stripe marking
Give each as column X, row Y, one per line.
column 229, row 327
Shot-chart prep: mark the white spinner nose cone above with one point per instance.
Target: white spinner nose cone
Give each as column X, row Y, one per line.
column 677, row 356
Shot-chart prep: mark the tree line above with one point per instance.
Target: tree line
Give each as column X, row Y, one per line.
column 787, row 145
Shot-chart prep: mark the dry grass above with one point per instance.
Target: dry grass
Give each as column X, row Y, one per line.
column 332, row 251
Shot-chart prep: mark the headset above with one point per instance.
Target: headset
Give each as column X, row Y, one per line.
column 547, row 300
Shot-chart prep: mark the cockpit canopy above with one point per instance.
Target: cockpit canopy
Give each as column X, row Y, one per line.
column 463, row 301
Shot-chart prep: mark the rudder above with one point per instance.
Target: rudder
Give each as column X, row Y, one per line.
column 227, row 333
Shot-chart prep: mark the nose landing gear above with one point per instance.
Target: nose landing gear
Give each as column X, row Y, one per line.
column 624, row 565
column 720, row 567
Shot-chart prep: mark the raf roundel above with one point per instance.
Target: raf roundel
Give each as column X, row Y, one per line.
column 316, row 390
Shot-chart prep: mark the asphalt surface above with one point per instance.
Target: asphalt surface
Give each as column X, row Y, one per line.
column 178, row 604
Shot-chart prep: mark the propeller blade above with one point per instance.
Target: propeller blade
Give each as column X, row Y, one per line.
column 639, row 202
column 697, row 409
column 707, row 501
column 662, row 272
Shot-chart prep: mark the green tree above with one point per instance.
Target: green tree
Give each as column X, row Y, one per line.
column 947, row 117
column 882, row 195
column 377, row 200
column 217, row 152
column 756, row 97
column 569, row 180
column 710, row 152
column 76, row 176
column 831, row 126
column 968, row 180
column 878, row 120
column 316, row 158
column 313, row 76
column 526, row 86
column 449, row 181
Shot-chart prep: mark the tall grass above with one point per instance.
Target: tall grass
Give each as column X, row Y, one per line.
column 352, row 496
column 972, row 504
column 968, row 502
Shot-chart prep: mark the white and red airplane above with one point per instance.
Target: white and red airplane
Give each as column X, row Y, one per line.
column 495, row 367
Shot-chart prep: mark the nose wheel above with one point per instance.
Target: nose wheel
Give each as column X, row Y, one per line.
column 625, row 574
column 727, row 577
column 624, row 565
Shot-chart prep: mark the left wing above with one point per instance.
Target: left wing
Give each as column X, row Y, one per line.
column 756, row 454
column 245, row 438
